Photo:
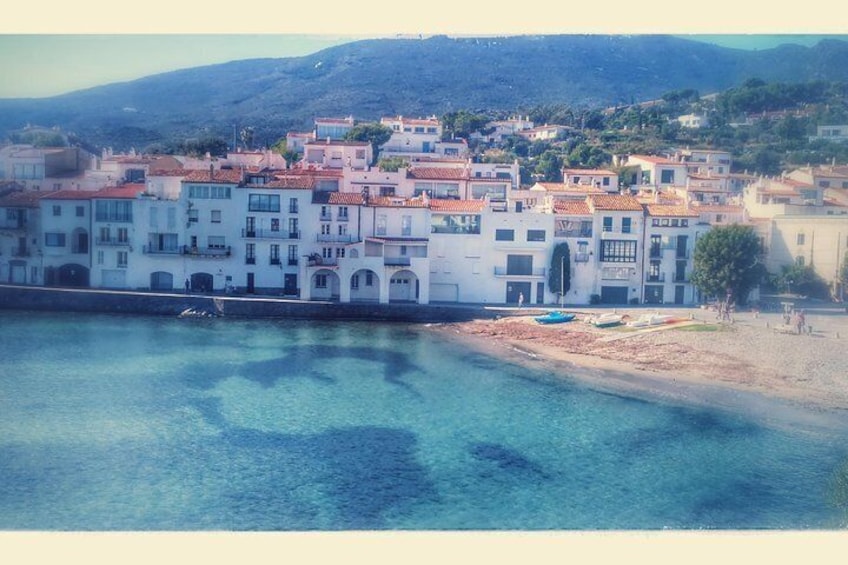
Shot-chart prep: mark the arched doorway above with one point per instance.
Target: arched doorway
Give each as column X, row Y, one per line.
column 403, row 287
column 325, row 285
column 160, row 280
column 201, row 282
column 364, row 286
column 73, row 275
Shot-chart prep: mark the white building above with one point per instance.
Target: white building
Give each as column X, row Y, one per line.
column 670, row 236
column 618, row 222
column 20, row 238
column 693, row 121
column 332, row 154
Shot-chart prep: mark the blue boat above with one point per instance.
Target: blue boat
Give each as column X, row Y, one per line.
column 555, row 317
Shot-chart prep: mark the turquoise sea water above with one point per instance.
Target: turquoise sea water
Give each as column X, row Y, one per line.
column 137, row 423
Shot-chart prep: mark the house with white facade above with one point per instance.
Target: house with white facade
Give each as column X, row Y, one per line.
column 501, row 129
column 543, row 133
column 693, row 121
column 44, row 168
column 116, row 236
column 658, row 172
column 600, row 178
column 574, row 225
column 457, row 248
column 66, row 235
column 618, row 222
column 671, row 232
column 334, row 154
column 333, row 128
column 297, row 140
column 20, row 238
column 837, row 133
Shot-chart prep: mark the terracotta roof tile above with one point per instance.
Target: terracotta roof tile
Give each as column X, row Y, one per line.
column 70, row 195
column 465, row 206
column 572, row 207
column 666, row 210
column 168, row 173
column 437, row 173
column 617, row 202
column 299, row 181
column 346, row 198
column 656, row 160
column 126, row 191
column 223, row 176
column 28, row 199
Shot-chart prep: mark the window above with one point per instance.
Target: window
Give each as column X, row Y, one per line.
column 114, row 211
column 457, row 224
column 684, row 223
column 675, row 222
column 606, row 181
column 799, row 239
column 294, row 232
column 656, row 245
column 80, row 211
column 618, row 251
column 193, row 215
column 403, row 250
column 57, row 210
column 360, row 154
column 655, row 222
column 354, row 282
column 824, row 183
column 292, row 255
column 172, row 218
column 342, row 229
column 205, row 192
column 250, row 254
column 340, row 252
column 666, row 176
column 54, row 239
column 216, row 216
column 799, row 260
column 626, row 225
column 504, row 235
column 123, row 235
column 263, row 203
column 607, row 223
column 325, row 229
column 369, row 279
column 293, row 206
column 216, row 242
column 381, row 224
column 327, row 252
column 275, row 224
column 123, row 258
column 406, row 225
column 342, row 213
column 100, row 256
column 719, row 218
column 535, row 235
column 320, row 281
column 275, row 254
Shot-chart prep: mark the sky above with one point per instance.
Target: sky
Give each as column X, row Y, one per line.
column 86, row 43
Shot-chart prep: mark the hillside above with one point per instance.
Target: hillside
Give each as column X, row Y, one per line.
column 371, row 78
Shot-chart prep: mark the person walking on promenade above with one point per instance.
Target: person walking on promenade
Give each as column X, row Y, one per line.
column 520, row 299
column 187, row 285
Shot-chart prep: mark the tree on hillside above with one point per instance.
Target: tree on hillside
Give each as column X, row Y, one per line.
column 802, row 280
column 559, row 275
column 281, row 147
column 392, row 164
column 375, row 134
column 726, row 263
column 549, row 165
column 463, row 124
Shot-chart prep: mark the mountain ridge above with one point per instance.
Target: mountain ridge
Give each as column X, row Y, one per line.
column 374, row 77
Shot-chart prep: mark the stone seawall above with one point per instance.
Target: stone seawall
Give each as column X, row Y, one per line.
column 171, row 304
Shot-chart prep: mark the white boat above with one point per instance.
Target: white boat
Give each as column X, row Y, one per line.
column 606, row 320
column 647, row 320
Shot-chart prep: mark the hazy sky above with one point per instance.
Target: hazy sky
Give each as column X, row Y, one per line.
column 47, row 64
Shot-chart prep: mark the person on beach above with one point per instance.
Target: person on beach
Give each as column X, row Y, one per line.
column 520, row 299
column 800, row 321
column 187, row 285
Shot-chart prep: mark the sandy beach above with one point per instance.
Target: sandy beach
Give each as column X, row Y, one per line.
column 700, row 359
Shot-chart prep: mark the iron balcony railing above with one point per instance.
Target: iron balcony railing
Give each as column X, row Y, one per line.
column 207, row 252
column 340, row 238
column 112, row 241
column 20, row 252
column 268, row 234
column 681, row 277
column 655, row 278
column 156, row 250
column 293, row 261
column 275, row 261
column 396, row 261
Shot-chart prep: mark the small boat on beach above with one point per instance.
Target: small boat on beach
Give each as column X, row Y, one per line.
column 648, row 320
column 555, row 317
column 606, row 320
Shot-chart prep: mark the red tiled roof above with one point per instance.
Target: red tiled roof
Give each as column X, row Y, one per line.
column 28, row 199
column 618, row 202
column 346, row 198
column 465, row 206
column 299, row 181
column 70, row 195
column 126, row 191
column 834, row 203
column 223, row 176
column 670, row 210
column 437, row 173
column 572, row 207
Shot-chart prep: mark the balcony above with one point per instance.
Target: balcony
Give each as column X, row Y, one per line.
column 250, row 260
column 655, row 278
column 207, row 252
column 112, row 242
column 330, row 238
column 325, row 217
column 341, row 218
column 292, row 261
column 155, row 250
column 682, row 254
column 655, row 253
column 681, row 277
column 9, row 224
column 318, row 261
column 275, row 261
column 505, row 272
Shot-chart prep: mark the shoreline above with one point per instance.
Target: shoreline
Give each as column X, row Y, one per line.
column 746, row 366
